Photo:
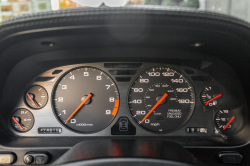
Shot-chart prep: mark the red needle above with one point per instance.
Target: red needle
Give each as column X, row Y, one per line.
column 32, row 100
column 77, row 109
column 213, row 99
column 156, row 105
column 17, row 123
column 229, row 122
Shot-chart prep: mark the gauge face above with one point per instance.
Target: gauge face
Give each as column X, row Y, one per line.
column 36, row 97
column 22, row 120
column 161, row 99
column 211, row 96
column 225, row 121
column 85, row 100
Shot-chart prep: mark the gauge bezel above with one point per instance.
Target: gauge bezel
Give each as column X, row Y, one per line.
column 220, row 132
column 184, row 122
column 56, row 85
column 12, row 123
column 221, row 96
column 25, row 101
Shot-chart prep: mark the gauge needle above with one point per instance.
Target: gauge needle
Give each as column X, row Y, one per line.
column 17, row 123
column 229, row 122
column 77, row 109
column 32, row 100
column 213, row 99
column 156, row 105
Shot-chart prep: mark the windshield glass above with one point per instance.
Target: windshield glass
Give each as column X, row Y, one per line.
column 236, row 8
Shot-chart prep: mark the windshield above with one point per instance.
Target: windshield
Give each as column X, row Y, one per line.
column 236, row 8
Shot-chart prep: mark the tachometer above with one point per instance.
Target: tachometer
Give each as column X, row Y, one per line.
column 161, row 99
column 85, row 100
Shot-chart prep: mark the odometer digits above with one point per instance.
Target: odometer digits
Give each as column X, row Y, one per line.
column 161, row 99
column 85, row 100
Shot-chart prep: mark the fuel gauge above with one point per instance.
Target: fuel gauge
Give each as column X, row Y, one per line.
column 211, row 96
column 22, row 120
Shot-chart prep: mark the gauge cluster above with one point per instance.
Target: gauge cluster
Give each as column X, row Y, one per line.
column 154, row 99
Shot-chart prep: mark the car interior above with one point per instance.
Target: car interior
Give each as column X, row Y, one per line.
column 116, row 86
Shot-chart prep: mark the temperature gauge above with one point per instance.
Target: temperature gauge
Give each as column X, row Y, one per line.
column 22, row 120
column 225, row 121
column 36, row 97
column 211, row 96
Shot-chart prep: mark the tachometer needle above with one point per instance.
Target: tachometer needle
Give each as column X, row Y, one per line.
column 229, row 122
column 17, row 123
column 32, row 100
column 213, row 99
column 156, row 105
column 77, row 109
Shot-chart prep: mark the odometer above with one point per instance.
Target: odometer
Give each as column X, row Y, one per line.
column 161, row 99
column 85, row 100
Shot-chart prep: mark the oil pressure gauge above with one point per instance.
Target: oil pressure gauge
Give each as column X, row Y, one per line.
column 211, row 96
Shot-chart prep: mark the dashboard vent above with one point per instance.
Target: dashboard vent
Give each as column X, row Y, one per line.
column 123, row 79
column 122, row 65
column 189, row 71
column 122, row 72
column 44, row 79
column 201, row 78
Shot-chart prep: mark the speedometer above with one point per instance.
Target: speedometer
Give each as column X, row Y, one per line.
column 161, row 99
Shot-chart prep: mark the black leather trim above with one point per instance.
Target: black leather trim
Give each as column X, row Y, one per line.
column 94, row 16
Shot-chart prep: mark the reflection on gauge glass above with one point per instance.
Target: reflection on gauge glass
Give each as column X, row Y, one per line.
column 85, row 100
column 22, row 120
column 161, row 99
column 36, row 97
column 211, row 96
column 225, row 121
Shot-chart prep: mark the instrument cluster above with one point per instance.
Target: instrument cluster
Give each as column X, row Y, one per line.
column 152, row 99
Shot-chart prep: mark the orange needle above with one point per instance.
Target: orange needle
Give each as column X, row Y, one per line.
column 17, row 123
column 31, row 99
column 156, row 105
column 83, row 102
column 229, row 122
column 213, row 99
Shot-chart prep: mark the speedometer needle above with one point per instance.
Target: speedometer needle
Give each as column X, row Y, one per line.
column 77, row 109
column 156, row 105
column 229, row 122
column 213, row 99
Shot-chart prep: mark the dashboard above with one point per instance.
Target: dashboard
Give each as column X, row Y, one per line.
column 124, row 86
column 95, row 99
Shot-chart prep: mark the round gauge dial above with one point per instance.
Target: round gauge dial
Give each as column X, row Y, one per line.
column 85, row 100
column 22, row 120
column 225, row 121
column 211, row 96
column 161, row 99
column 36, row 97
